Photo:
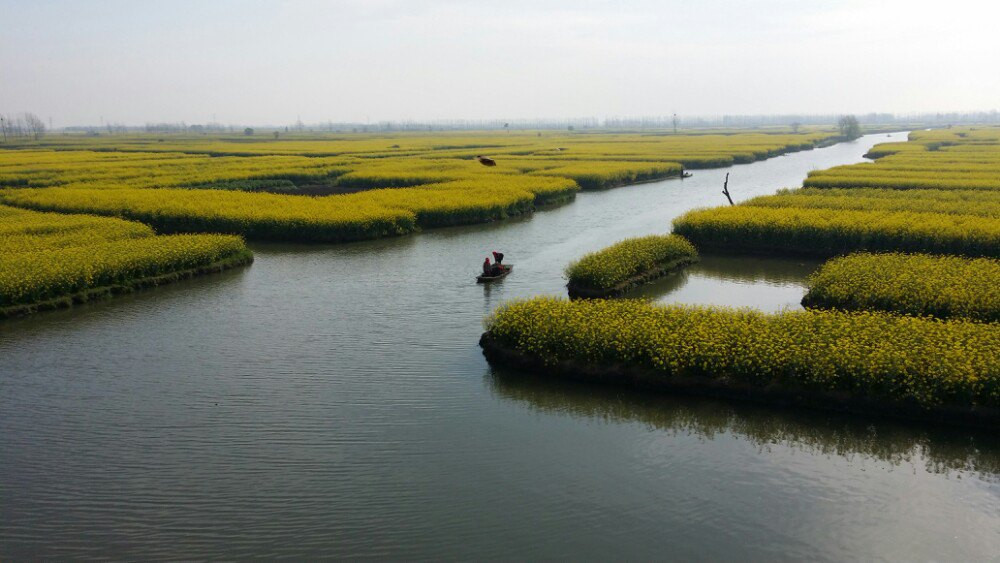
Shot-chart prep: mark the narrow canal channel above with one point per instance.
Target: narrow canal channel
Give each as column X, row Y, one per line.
column 331, row 401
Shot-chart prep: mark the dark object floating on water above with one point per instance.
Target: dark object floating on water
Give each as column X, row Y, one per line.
column 485, row 279
column 686, row 174
column 486, row 161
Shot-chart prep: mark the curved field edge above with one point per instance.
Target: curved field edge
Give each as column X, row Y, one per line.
column 824, row 233
column 241, row 258
column 627, row 263
column 860, row 362
column 376, row 214
column 910, row 284
column 663, row 269
column 501, row 354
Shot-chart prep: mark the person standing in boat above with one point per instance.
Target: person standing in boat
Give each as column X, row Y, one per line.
column 487, row 269
column 498, row 258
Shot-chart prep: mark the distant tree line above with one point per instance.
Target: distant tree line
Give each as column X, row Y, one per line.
column 20, row 127
column 185, row 128
column 797, row 121
column 673, row 122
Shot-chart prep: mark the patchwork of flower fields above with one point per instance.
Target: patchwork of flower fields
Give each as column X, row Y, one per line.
column 908, row 313
column 938, row 193
column 407, row 181
column 319, row 188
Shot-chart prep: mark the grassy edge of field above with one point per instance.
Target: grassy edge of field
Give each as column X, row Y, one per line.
column 959, row 287
column 820, row 303
column 618, row 375
column 418, row 221
column 578, row 291
column 241, row 258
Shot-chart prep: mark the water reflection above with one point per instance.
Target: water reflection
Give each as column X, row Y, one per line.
column 940, row 450
column 770, row 284
column 754, row 269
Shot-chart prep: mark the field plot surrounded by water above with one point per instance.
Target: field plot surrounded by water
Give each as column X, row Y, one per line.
column 323, row 402
column 869, row 360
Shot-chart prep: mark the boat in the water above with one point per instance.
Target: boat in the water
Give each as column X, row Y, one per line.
column 506, row 268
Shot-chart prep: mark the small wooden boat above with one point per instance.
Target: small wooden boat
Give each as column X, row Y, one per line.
column 686, row 174
column 485, row 279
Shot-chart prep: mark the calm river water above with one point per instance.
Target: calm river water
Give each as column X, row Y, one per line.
column 332, row 401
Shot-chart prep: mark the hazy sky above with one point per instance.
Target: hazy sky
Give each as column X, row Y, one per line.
column 270, row 62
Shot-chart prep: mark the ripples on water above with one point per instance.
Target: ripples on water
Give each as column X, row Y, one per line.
column 332, row 401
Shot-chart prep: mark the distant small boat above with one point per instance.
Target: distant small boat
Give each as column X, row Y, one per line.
column 481, row 278
column 686, row 175
column 485, row 161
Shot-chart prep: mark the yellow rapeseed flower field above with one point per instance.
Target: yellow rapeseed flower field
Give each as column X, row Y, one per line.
column 826, row 232
column 863, row 354
column 957, row 202
column 915, row 284
column 47, row 256
column 937, row 193
column 436, row 178
column 619, row 263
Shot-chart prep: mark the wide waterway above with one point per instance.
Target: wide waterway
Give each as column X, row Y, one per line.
column 331, row 401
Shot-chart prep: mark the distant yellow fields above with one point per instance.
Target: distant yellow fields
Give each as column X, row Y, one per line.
column 938, row 193
column 211, row 185
column 320, row 188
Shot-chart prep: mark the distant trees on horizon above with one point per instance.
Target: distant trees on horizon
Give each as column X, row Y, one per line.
column 21, row 126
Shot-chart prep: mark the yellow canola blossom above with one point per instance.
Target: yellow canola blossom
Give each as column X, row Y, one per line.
column 938, row 193
column 915, row 284
column 362, row 215
column 46, row 256
column 626, row 259
column 435, row 178
column 828, row 232
column 955, row 202
column 864, row 354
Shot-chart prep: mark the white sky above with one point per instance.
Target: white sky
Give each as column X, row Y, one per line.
column 272, row 61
